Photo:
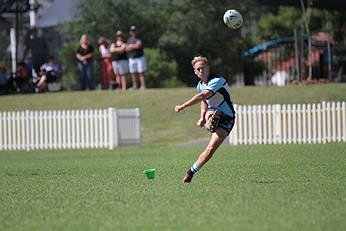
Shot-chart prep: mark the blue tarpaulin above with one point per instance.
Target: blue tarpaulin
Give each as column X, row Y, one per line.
column 276, row 42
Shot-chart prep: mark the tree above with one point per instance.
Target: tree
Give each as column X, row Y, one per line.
column 196, row 27
column 178, row 28
column 105, row 17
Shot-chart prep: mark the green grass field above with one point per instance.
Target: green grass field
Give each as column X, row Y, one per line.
column 272, row 187
column 255, row 187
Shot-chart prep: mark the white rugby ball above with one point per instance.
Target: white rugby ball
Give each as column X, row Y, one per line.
column 233, row 19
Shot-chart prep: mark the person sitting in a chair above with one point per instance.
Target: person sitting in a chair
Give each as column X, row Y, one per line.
column 50, row 72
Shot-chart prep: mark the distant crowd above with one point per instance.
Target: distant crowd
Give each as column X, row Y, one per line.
column 120, row 58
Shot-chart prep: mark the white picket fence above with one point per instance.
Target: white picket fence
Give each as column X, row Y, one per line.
column 293, row 123
column 109, row 128
column 65, row 129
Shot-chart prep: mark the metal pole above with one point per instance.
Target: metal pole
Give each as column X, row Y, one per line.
column 302, row 50
column 329, row 61
column 13, row 49
column 296, row 50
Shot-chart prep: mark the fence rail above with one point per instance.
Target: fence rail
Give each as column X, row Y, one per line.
column 292, row 123
column 63, row 129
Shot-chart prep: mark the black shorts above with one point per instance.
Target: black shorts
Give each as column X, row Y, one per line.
column 227, row 123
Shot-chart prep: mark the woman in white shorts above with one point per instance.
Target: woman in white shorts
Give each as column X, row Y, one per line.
column 119, row 60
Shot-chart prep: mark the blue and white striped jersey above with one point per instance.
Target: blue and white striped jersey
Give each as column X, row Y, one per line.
column 221, row 99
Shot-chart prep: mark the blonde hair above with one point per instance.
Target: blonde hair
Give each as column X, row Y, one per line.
column 84, row 38
column 199, row 58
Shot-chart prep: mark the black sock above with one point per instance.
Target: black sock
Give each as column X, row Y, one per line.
column 189, row 172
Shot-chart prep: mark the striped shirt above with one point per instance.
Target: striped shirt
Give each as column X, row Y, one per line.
column 221, row 99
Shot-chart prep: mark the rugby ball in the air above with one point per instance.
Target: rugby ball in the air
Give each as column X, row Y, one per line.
column 233, row 19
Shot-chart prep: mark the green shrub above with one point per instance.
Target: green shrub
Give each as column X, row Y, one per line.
column 161, row 71
column 68, row 62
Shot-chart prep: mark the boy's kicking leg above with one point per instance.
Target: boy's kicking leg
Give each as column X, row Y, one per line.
column 215, row 141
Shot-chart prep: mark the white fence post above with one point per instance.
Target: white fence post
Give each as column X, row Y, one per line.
column 299, row 127
column 17, row 143
column 289, row 123
column 328, row 120
column 333, row 120
column 284, row 124
column 239, row 123
column 25, row 129
column 1, row 132
column 338, row 120
column 313, row 123
column 269, row 112
column 343, row 115
column 277, row 124
column 233, row 135
column 87, row 129
column 100, row 128
column 50, row 130
column 260, row 124
column 304, row 121
column 68, row 129
column 92, row 130
column 11, row 130
column 319, row 123
column 113, row 128
column 6, row 122
column 55, row 129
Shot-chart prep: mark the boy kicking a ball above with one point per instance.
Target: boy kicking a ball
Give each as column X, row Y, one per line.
column 217, row 112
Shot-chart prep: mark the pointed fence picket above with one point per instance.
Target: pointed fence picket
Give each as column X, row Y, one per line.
column 66, row 129
column 293, row 123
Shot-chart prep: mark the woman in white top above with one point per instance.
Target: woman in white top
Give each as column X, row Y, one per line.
column 107, row 74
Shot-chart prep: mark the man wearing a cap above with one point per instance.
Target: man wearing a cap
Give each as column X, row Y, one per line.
column 137, row 62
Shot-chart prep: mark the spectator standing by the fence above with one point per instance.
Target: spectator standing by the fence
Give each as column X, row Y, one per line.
column 84, row 55
column 137, row 62
column 217, row 112
column 38, row 47
column 120, row 62
column 107, row 74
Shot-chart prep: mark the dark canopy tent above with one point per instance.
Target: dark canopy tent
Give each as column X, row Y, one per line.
column 14, row 6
